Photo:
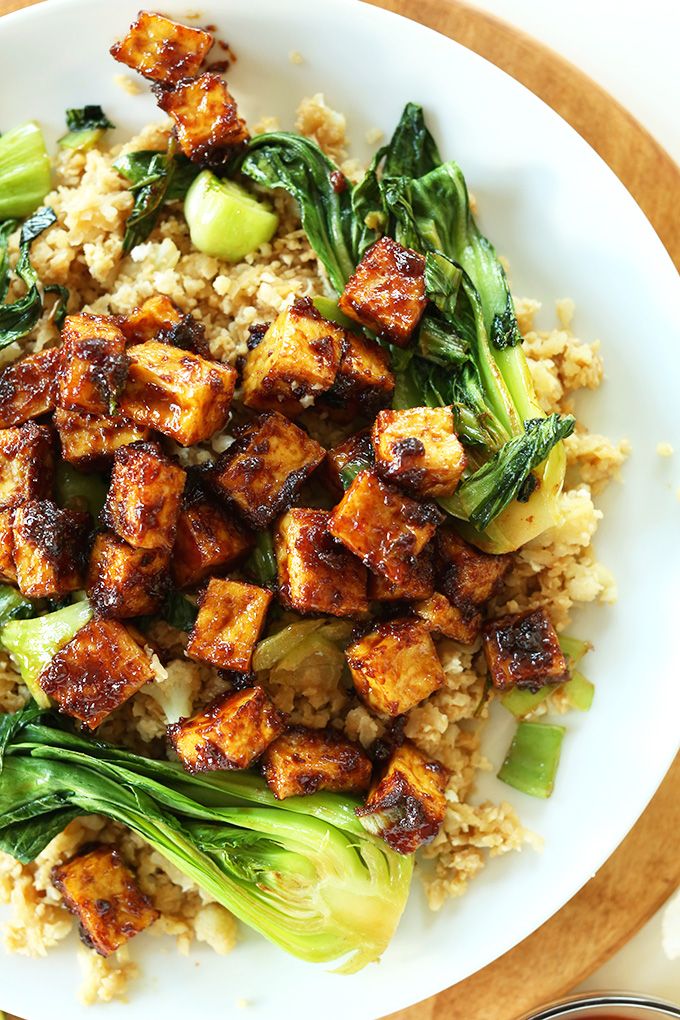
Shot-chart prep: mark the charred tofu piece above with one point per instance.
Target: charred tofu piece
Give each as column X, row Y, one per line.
column 296, row 360
column 207, row 122
column 523, row 650
column 162, row 50
column 231, row 733
column 104, row 896
column 344, row 462
column 93, row 364
column 441, row 617
column 178, row 393
column 8, row 571
column 27, row 387
column 467, row 577
column 418, row 449
column 303, row 761
column 158, row 318
column 208, row 541
column 96, row 672
column 395, row 666
column 383, row 527
column 364, row 381
column 418, row 585
column 49, row 548
column 144, row 500
column 386, row 293
column 316, row 573
column 230, row 617
column 26, row 464
column 89, row 441
column 410, row 799
column 123, row 581
column 264, row 468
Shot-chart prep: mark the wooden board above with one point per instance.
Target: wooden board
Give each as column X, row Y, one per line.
column 645, row 869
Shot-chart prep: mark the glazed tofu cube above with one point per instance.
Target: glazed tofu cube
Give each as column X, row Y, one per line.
column 410, row 798
column 207, row 123
column 7, row 569
column 384, row 528
column 162, row 50
column 344, row 462
column 49, row 548
column 231, row 733
column 523, row 650
column 208, row 541
column 96, row 672
column 264, row 468
column 144, row 500
column 123, row 581
column 158, row 318
column 441, row 617
column 419, row 583
column 364, row 381
column 303, row 761
column 26, row 464
column 27, row 387
column 89, row 441
column 465, row 575
column 296, row 360
column 93, row 364
column 230, row 617
column 316, row 573
column 178, row 393
column 104, row 896
column 386, row 293
column 395, row 666
column 417, row 449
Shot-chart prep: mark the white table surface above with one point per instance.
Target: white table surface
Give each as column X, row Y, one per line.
column 631, row 49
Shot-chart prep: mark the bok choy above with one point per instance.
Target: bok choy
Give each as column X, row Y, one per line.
column 18, row 318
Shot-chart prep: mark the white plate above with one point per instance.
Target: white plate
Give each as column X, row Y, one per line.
column 569, row 228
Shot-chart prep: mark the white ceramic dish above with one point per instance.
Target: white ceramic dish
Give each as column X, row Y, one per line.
column 569, row 228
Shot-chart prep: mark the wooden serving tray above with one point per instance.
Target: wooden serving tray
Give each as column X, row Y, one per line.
column 645, row 869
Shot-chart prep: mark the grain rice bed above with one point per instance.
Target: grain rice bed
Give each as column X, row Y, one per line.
column 83, row 250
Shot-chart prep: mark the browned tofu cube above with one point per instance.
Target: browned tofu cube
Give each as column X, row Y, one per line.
column 441, row 617
column 465, row 575
column 145, row 497
column 26, row 464
column 123, row 581
column 303, row 761
column 207, row 123
column 96, row 672
column 178, row 393
column 230, row 617
column 418, row 449
column 410, row 799
column 317, row 574
column 93, row 364
column 383, row 527
column 231, row 733
column 27, row 387
column 8, row 571
column 523, row 650
column 158, row 318
column 395, row 666
column 49, row 548
column 364, row 381
column 89, row 441
column 419, row 584
column 162, row 50
column 104, row 896
column 264, row 468
column 386, row 293
column 344, row 462
column 208, row 541
column 296, row 360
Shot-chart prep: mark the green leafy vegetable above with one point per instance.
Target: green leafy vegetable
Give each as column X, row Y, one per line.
column 86, row 127
column 156, row 178
column 19, row 317
column 79, row 491
column 303, row 873
column 225, row 220
column 14, row 605
column 574, row 649
column 25, row 173
column 179, row 612
column 261, row 564
column 532, row 760
column 330, row 310
column 579, row 691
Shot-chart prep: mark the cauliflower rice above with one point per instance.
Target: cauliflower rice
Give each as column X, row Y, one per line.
column 558, row 570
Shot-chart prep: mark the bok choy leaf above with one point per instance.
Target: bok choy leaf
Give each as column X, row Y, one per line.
column 19, row 317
